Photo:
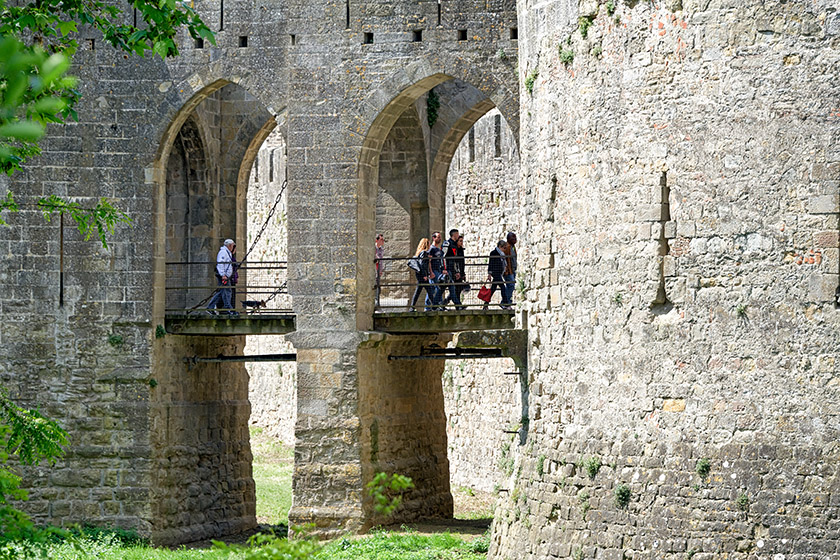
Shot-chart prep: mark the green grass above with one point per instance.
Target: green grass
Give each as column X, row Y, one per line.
column 273, row 468
column 402, row 546
column 273, row 477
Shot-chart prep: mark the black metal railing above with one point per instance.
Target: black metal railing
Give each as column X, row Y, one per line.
column 195, row 287
column 400, row 288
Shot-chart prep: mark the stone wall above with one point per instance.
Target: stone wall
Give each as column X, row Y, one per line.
column 482, row 201
column 682, row 219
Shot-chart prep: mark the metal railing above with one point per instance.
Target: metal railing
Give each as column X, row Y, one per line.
column 400, row 288
column 193, row 287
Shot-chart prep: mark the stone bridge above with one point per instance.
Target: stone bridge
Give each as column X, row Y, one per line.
column 347, row 86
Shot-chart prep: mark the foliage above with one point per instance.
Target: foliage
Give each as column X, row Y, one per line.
column 160, row 331
column 591, row 466
column 432, row 106
column 540, row 465
column 622, row 495
column 530, row 79
column 481, row 544
column 387, row 491
column 703, row 467
column 597, row 51
column 583, row 498
column 267, row 546
column 116, row 340
column 584, row 23
column 743, row 502
column 388, row 545
column 618, row 298
column 38, row 42
column 610, row 7
column 102, row 218
column 566, row 55
column 31, row 438
column 501, row 54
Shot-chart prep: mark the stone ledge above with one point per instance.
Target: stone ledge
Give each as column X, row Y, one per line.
column 418, row 322
column 228, row 326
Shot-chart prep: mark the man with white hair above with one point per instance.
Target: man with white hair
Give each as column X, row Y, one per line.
column 224, row 276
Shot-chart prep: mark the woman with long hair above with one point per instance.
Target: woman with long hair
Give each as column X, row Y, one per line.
column 422, row 276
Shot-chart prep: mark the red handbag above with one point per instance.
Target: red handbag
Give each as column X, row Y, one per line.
column 484, row 294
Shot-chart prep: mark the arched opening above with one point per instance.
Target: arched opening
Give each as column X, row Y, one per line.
column 272, row 387
column 202, row 483
column 403, row 194
column 414, row 197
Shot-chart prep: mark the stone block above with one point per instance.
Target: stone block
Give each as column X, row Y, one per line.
column 822, row 287
column 824, row 204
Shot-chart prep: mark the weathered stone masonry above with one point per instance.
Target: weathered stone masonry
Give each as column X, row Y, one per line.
column 679, row 222
column 713, row 127
column 173, row 144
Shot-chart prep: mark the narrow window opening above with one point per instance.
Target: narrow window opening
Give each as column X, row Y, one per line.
column 497, row 135
column 92, row 44
column 664, row 247
column 243, row 40
column 293, row 40
column 368, row 39
column 438, row 13
column 346, row 14
column 221, row 15
column 199, row 43
column 472, row 144
column 135, row 17
column 514, row 33
column 462, row 34
column 271, row 166
column 417, row 36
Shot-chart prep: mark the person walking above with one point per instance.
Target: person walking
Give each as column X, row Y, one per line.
column 224, row 276
column 379, row 254
column 422, row 275
column 497, row 265
column 450, row 252
column 436, row 276
column 510, row 279
column 459, row 267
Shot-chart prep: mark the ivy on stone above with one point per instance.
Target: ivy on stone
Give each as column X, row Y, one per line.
column 432, row 107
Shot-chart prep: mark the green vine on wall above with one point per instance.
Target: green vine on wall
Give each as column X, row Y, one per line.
column 432, row 106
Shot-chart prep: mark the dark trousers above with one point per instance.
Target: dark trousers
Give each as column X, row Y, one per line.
column 499, row 284
column 421, row 285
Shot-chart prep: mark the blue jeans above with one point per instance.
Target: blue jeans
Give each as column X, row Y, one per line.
column 510, row 284
column 223, row 294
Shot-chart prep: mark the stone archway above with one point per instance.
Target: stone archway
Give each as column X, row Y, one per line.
column 201, row 458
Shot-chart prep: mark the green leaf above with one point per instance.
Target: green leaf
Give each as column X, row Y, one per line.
column 22, row 130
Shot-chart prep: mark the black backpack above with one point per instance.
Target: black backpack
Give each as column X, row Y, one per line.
column 416, row 263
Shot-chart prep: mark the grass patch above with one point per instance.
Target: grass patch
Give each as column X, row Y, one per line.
column 402, row 546
column 273, row 466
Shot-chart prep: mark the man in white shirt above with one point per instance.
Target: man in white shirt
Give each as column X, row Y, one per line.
column 224, row 275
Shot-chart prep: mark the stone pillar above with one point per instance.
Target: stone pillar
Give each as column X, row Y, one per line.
column 403, row 424
column 327, row 482
column 202, row 483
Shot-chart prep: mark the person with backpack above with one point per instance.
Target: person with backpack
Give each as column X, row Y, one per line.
column 420, row 266
column 437, row 274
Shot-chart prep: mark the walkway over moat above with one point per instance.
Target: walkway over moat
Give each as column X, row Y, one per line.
column 260, row 304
